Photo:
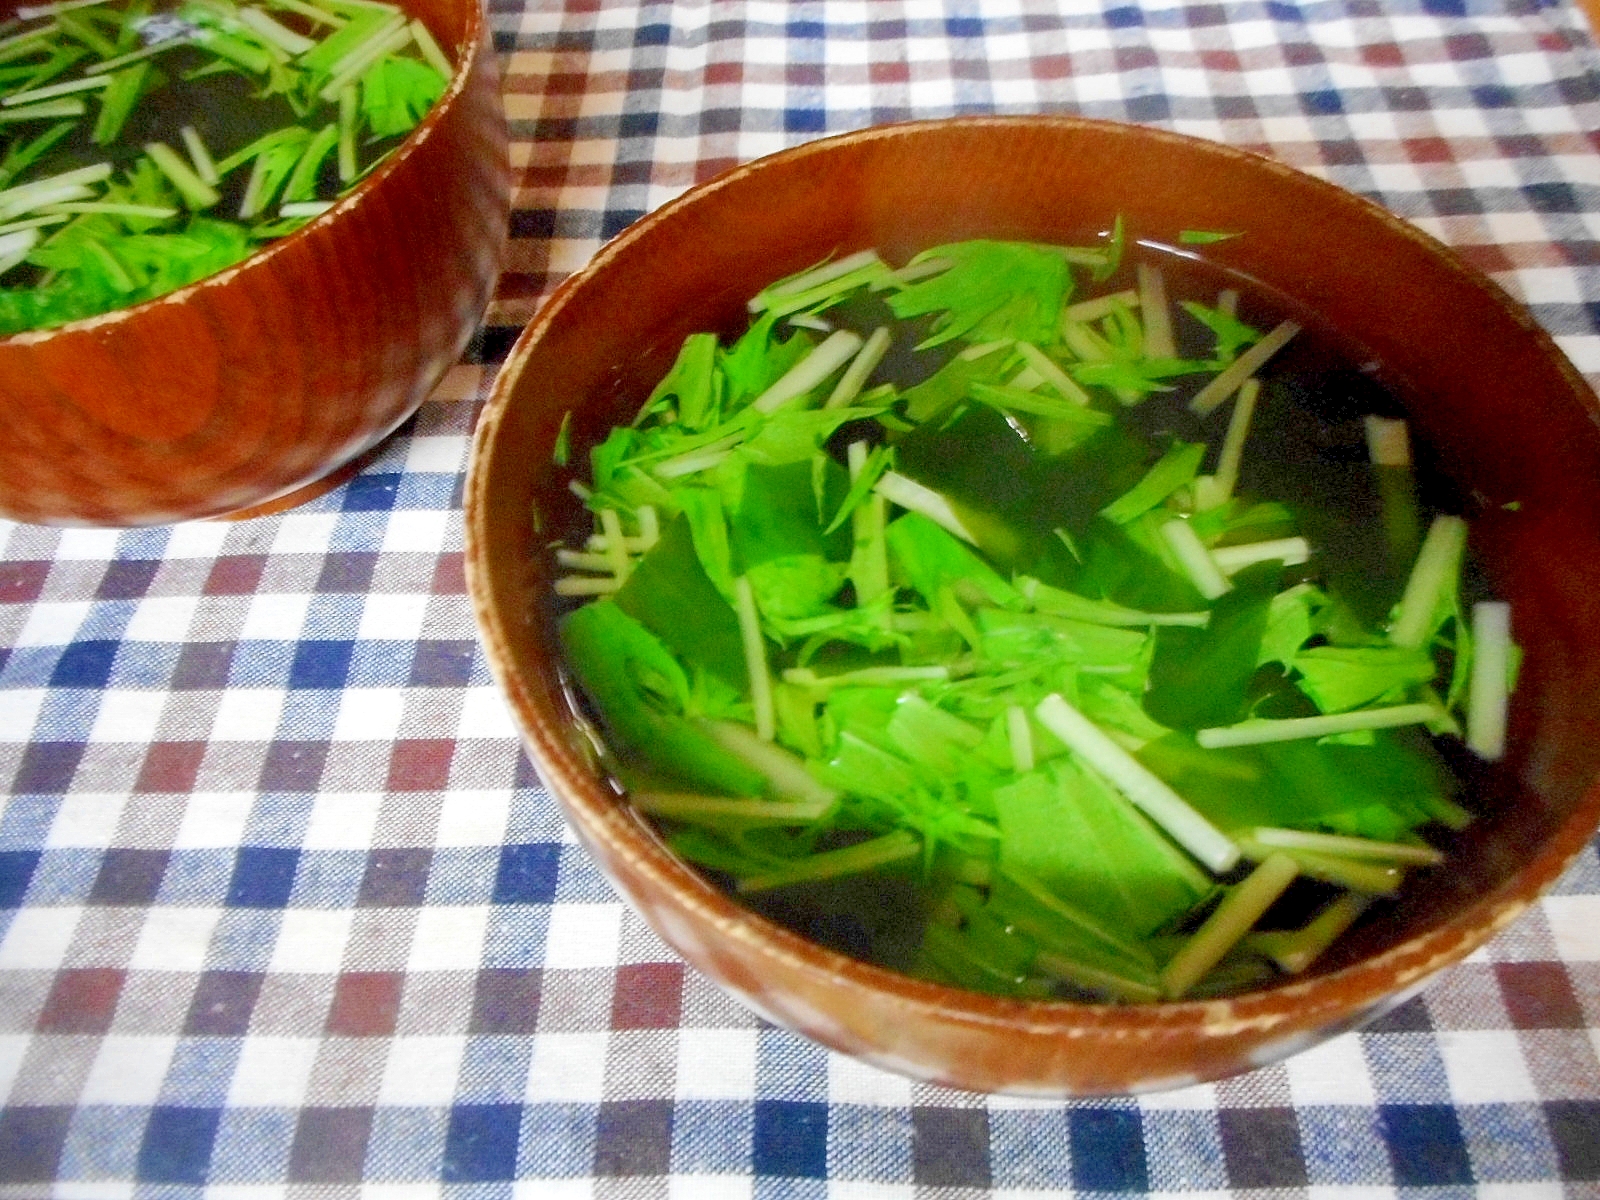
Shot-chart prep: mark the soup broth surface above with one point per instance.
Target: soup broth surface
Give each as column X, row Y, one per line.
column 930, row 802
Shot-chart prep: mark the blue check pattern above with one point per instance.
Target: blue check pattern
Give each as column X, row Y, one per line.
column 284, row 911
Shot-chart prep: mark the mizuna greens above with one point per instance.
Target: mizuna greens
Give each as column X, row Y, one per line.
column 147, row 146
column 963, row 615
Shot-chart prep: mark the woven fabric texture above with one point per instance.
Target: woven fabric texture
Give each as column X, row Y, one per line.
column 284, row 912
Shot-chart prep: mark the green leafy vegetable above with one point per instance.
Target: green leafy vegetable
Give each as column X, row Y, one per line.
column 985, row 652
column 309, row 96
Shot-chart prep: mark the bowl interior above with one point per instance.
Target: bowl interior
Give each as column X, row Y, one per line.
column 1512, row 421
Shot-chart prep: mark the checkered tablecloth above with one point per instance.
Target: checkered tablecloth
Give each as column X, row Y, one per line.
column 285, row 913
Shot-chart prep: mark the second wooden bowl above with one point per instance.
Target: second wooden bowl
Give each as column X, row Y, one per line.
column 269, row 376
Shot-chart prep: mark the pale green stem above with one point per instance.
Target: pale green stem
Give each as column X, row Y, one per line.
column 786, row 773
column 1196, row 561
column 1488, row 693
column 1241, row 908
column 1158, row 342
column 814, row 369
column 832, row 864
column 1296, row 949
column 861, row 366
column 1233, row 559
column 1436, row 569
column 1348, row 847
column 1228, row 381
column 1370, row 878
column 1288, row 729
column 51, row 91
column 755, row 658
column 1051, row 373
column 718, row 810
column 1149, row 793
column 911, row 495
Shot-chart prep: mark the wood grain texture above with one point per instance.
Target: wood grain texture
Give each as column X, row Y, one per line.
column 274, row 373
column 1511, row 416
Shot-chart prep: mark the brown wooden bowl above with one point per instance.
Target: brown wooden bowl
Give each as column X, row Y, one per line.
column 1510, row 416
column 273, row 374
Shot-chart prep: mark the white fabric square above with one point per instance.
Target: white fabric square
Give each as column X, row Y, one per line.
column 128, row 1070
column 127, row 716
column 448, row 938
column 1547, row 285
column 1195, row 1097
column 342, row 821
column 583, row 935
column 567, row 257
column 1486, row 1066
column 484, row 714
column 213, row 819
column 87, row 545
column 369, row 715
column 716, row 1064
column 866, row 1189
column 272, row 1072
column 275, row 616
column 422, row 1071
column 415, row 529
column 19, row 713
column 37, row 938
column 1488, row 173
column 162, row 619
column 472, row 818
column 1505, row 228
column 1550, row 120
column 304, row 533
column 247, row 715
column 1402, row 178
column 1375, row 126
column 851, row 1081
column 197, row 539
column 443, row 454
column 1459, row 122
column 1350, row 1191
column 1533, row 1190
column 568, row 1067
column 1016, row 93
column 1283, row 131
column 931, row 94
column 1333, row 1073
column 549, row 1189
column 13, row 1047
column 311, row 940
column 1575, row 926
column 52, row 623
column 396, row 617
column 86, row 819
column 1583, row 351
column 728, row 1187
column 174, row 939
column 105, row 1189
